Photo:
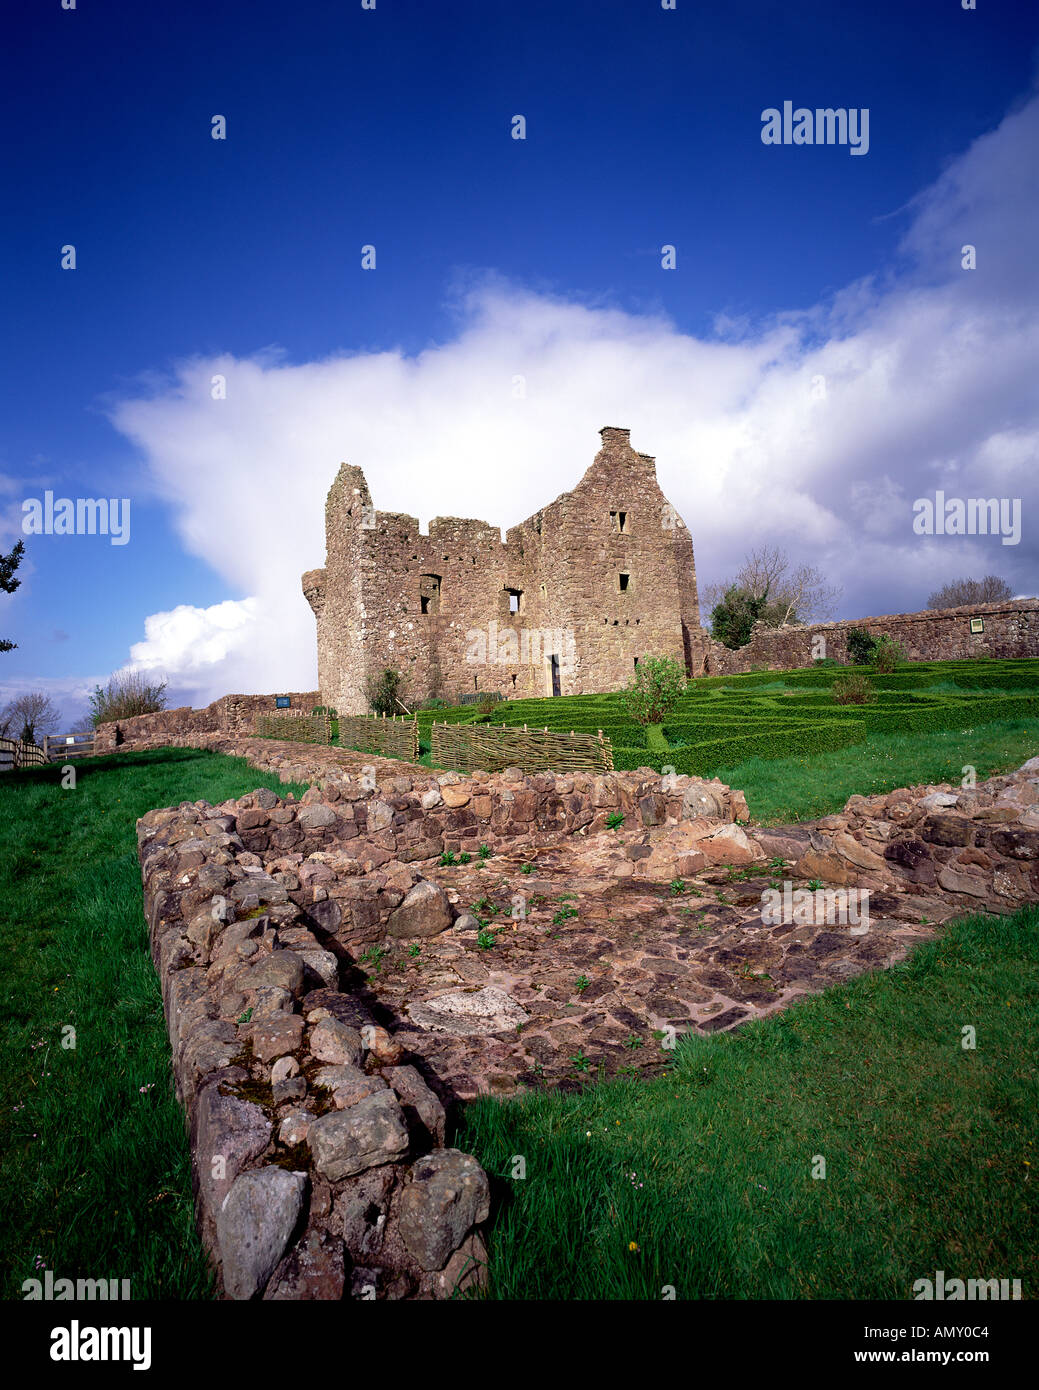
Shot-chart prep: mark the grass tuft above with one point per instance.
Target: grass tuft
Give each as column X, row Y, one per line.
column 94, row 1161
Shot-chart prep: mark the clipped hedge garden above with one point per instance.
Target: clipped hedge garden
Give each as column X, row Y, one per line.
column 723, row 720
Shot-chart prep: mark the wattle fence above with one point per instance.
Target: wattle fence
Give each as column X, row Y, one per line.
column 492, row 747
column 395, row 737
column 295, row 727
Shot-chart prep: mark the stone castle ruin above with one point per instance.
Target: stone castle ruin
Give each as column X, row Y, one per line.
column 569, row 603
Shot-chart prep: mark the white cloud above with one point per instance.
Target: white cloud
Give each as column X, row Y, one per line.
column 929, row 373
column 191, row 641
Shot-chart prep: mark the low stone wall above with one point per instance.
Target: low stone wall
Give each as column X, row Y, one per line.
column 317, row 1143
column 318, row 1154
column 231, row 714
column 1010, row 630
column 948, row 849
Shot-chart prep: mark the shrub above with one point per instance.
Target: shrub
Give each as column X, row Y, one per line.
column 659, row 684
column 384, row 692
column 733, row 618
column 887, row 653
column 126, row 694
column 861, row 644
column 853, row 690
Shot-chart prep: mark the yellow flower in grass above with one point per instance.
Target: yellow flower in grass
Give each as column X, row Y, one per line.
column 633, row 1245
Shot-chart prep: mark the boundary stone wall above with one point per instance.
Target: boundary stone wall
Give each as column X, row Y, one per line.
column 1009, row 630
column 231, row 714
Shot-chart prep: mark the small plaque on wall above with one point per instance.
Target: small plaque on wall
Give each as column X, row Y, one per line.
column 977, row 624
column 283, row 701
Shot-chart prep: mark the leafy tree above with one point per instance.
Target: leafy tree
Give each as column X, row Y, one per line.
column 658, row 684
column 385, row 692
column 126, row 694
column 961, row 593
column 8, row 564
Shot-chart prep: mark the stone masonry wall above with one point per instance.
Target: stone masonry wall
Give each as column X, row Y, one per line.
column 231, row 714
column 390, row 596
column 1010, row 630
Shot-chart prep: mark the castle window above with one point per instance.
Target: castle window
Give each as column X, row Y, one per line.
column 636, row 663
column 623, row 580
column 515, row 600
column 619, row 522
column 429, row 593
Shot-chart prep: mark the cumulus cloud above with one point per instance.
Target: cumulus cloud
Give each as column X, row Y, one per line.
column 814, row 431
column 192, row 641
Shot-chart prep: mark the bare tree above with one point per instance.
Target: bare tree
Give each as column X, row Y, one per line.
column 961, row 592
column 30, row 717
column 793, row 595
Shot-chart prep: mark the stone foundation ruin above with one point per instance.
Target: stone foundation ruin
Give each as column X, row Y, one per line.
column 331, row 991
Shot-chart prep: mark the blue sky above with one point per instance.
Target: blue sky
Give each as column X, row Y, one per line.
column 497, row 257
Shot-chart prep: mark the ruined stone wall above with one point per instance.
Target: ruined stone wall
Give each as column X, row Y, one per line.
column 231, row 714
column 318, row 1154
column 626, row 589
column 1011, row 629
column 390, row 597
column 318, row 1140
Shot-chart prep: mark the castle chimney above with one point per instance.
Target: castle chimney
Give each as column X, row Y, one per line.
column 612, row 434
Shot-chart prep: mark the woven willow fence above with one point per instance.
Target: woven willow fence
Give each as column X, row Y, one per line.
column 491, row 747
column 295, row 727
column 14, row 753
column 396, row 737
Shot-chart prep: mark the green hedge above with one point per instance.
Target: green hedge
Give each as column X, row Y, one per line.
column 949, row 712
column 724, row 719
column 702, row 759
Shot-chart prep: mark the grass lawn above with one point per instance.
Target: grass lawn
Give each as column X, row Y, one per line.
column 791, row 789
column 702, row 1179
column 93, row 1155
